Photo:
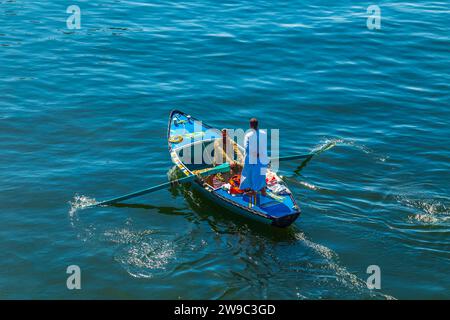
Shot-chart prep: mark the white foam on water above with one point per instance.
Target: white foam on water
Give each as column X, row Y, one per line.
column 431, row 211
column 344, row 276
column 140, row 252
column 424, row 218
column 144, row 259
column 126, row 236
column 80, row 202
column 309, row 185
column 329, row 143
column 326, row 145
column 299, row 295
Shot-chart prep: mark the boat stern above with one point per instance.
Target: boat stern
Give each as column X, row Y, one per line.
column 285, row 221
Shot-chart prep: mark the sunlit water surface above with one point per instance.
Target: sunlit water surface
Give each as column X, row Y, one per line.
column 83, row 116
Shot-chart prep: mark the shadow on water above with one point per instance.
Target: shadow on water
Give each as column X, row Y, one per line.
column 219, row 220
column 159, row 209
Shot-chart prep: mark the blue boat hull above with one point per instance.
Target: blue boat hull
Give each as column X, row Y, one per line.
column 282, row 222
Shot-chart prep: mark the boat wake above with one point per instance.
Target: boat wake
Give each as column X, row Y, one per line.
column 323, row 146
column 330, row 143
column 303, row 184
column 80, row 202
column 343, row 276
column 326, row 145
column 431, row 211
column 309, row 185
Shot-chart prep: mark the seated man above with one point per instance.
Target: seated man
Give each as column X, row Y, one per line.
column 226, row 151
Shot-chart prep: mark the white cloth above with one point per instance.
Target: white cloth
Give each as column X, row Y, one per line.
column 279, row 189
column 255, row 144
column 256, row 160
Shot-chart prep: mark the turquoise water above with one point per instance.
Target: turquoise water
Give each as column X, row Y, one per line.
column 83, row 115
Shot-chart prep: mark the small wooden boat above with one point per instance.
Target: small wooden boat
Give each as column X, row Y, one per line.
column 186, row 134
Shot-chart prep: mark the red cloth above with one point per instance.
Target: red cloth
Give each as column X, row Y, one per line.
column 235, row 181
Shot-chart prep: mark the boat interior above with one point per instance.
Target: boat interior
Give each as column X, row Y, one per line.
column 199, row 156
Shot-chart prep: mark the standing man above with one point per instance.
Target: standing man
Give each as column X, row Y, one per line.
column 253, row 178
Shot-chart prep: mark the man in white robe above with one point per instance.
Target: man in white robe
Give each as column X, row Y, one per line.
column 253, row 177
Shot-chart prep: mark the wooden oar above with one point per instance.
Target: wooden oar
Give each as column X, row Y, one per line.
column 294, row 157
column 222, row 168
